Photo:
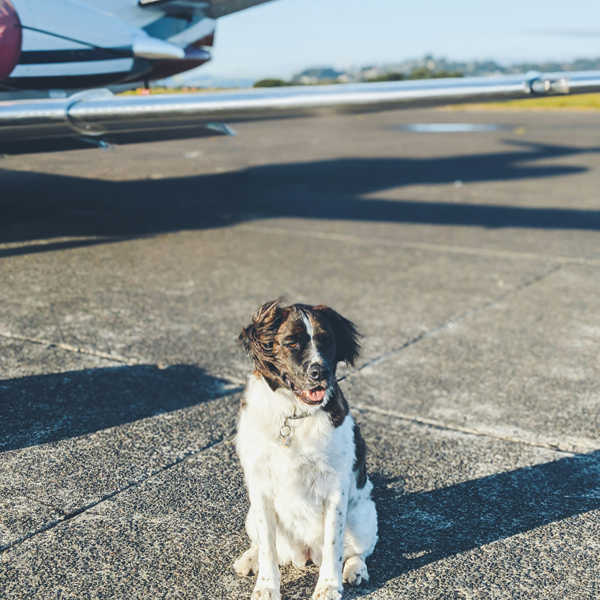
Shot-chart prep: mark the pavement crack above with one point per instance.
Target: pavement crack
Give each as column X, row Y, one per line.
column 444, row 248
column 71, row 348
column 46, row 504
column 132, row 484
column 572, row 447
column 579, row 445
column 457, row 319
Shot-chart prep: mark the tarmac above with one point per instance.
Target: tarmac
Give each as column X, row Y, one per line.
column 470, row 262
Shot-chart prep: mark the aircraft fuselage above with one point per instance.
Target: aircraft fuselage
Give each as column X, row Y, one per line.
column 75, row 44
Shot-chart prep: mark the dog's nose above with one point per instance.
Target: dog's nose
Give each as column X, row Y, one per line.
column 318, row 372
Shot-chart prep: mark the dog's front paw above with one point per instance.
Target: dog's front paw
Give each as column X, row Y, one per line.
column 355, row 571
column 265, row 594
column 326, row 592
column 247, row 563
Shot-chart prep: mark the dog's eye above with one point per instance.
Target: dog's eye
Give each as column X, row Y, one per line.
column 292, row 345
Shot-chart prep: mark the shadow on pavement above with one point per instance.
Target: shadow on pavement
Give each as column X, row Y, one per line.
column 422, row 528
column 47, row 408
column 38, row 206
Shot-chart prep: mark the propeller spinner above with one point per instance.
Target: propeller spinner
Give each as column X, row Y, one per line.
column 11, row 38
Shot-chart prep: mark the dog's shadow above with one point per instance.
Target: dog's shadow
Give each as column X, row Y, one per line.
column 421, row 528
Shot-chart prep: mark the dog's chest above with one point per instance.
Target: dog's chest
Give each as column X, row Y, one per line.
column 306, row 471
column 300, row 470
column 301, row 477
column 300, row 480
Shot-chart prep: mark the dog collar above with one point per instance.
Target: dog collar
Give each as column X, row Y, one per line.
column 285, row 433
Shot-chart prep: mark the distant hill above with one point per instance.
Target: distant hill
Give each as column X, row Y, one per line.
column 198, row 80
column 423, row 68
column 430, row 66
column 317, row 75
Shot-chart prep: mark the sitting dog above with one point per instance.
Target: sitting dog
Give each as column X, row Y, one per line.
column 302, row 453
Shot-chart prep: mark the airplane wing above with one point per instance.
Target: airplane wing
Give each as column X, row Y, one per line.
column 220, row 8
column 99, row 118
column 214, row 9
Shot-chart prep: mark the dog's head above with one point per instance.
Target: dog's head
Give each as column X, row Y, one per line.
column 298, row 347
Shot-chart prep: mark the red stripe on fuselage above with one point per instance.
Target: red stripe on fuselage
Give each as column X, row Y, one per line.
column 207, row 40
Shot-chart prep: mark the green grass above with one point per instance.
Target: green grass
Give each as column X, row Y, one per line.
column 576, row 102
column 163, row 90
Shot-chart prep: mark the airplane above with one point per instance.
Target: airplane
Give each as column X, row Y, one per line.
column 73, row 49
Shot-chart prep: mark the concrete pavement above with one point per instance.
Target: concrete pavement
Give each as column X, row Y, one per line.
column 469, row 261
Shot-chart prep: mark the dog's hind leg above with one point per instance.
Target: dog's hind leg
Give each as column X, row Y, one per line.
column 248, row 562
column 360, row 537
column 289, row 551
column 355, row 571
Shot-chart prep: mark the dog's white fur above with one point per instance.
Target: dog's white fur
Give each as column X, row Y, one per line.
column 304, row 498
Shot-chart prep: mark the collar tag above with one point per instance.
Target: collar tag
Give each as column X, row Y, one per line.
column 285, row 433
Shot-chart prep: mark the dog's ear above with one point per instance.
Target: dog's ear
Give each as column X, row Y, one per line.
column 346, row 335
column 257, row 339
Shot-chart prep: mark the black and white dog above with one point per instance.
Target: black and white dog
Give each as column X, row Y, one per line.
column 302, row 453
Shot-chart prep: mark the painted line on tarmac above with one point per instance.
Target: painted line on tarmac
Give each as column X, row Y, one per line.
column 70, row 348
column 15, row 249
column 351, row 239
column 570, row 445
column 235, row 381
column 50, row 241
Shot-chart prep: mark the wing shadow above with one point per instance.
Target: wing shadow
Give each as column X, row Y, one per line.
column 39, row 206
column 47, row 408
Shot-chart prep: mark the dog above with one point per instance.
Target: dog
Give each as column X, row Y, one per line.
column 302, row 454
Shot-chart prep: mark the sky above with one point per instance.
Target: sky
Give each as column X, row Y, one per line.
column 283, row 37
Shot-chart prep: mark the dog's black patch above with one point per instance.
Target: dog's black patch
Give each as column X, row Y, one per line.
column 337, row 408
column 346, row 335
column 360, row 462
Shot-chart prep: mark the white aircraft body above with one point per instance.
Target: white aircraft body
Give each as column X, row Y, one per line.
column 83, row 45
column 75, row 44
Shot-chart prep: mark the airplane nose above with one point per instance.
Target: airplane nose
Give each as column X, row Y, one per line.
column 11, row 38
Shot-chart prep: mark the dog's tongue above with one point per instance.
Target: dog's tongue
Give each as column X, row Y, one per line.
column 315, row 395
